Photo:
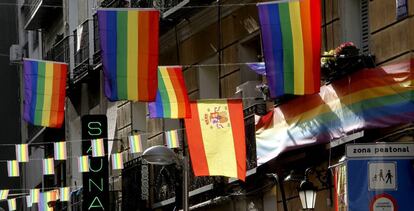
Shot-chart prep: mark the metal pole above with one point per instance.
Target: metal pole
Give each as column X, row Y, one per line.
column 185, row 184
column 282, row 190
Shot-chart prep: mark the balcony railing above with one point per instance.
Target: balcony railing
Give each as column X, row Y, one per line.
column 97, row 44
column 81, row 50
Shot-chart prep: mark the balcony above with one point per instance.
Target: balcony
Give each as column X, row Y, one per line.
column 38, row 13
column 60, row 53
column 81, row 50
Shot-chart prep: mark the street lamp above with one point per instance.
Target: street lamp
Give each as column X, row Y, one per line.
column 162, row 155
column 307, row 193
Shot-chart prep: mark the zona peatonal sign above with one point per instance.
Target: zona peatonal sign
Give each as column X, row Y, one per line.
column 380, row 150
column 96, row 181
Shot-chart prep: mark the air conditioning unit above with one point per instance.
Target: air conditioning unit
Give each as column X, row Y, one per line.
column 16, row 53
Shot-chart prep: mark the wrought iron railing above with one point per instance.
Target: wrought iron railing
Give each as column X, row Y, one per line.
column 97, row 50
column 81, row 49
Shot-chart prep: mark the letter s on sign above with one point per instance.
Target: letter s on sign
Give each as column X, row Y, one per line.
column 94, row 128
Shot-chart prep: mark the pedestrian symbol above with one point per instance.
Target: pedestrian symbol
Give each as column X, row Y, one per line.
column 382, row 176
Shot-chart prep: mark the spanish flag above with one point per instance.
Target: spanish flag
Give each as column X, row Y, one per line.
column 216, row 138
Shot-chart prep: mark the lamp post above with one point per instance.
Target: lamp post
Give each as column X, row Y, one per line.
column 162, row 155
column 307, row 192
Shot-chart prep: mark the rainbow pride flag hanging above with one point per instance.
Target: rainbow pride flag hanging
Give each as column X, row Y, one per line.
column 117, row 162
column 4, row 194
column 13, row 168
column 46, row 197
column 98, row 149
column 34, row 195
column 83, row 164
column 64, row 194
column 172, row 99
column 12, row 204
column 171, row 137
column 135, row 144
column 60, row 152
column 48, row 166
column 44, row 92
column 22, row 153
column 291, row 34
column 129, row 43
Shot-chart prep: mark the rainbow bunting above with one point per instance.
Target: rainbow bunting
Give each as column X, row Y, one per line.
column 45, row 91
column 291, row 34
column 29, row 202
column 129, row 43
column 135, row 144
column 83, row 164
column 4, row 194
column 12, row 204
column 34, row 195
column 117, row 162
column 13, row 168
column 98, row 149
column 64, row 194
column 60, row 151
column 22, row 153
column 48, row 166
column 172, row 99
column 171, row 138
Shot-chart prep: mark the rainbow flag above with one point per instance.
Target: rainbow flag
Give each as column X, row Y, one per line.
column 48, row 166
column 98, row 149
column 22, row 153
column 60, row 151
column 367, row 99
column 171, row 137
column 13, row 168
column 172, row 99
column 129, row 43
column 45, row 91
column 135, row 143
column 64, row 194
column 34, row 195
column 12, row 204
column 291, row 34
column 46, row 197
column 4, row 194
column 83, row 163
column 117, row 162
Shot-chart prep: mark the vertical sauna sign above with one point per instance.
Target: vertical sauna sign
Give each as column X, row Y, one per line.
column 95, row 182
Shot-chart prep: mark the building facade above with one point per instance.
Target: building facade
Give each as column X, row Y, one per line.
column 213, row 43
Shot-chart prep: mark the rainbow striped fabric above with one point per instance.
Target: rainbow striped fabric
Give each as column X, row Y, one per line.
column 45, row 91
column 48, row 166
column 13, row 168
column 60, row 152
column 368, row 99
column 172, row 99
column 4, row 194
column 34, row 195
column 129, row 43
column 64, row 194
column 22, row 153
column 98, row 149
column 83, row 164
column 46, row 197
column 12, row 204
column 135, row 144
column 117, row 162
column 291, row 34
column 171, row 137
